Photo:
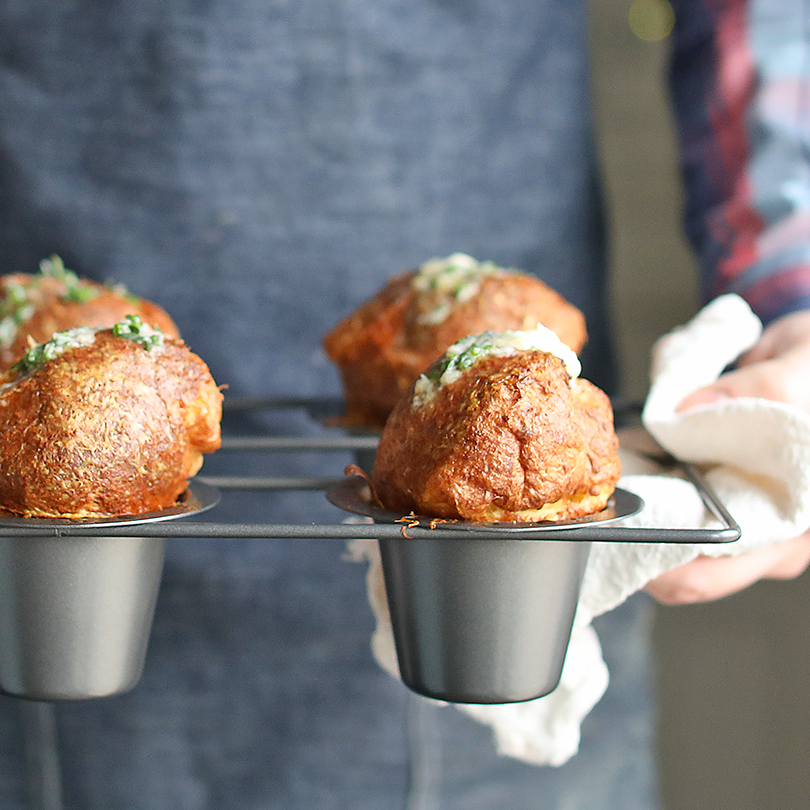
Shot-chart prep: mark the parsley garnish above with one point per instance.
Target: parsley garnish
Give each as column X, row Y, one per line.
column 134, row 329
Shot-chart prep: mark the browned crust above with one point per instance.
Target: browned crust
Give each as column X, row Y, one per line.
column 55, row 313
column 106, row 429
column 381, row 348
column 511, row 434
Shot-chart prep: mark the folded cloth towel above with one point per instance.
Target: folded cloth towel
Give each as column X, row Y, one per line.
column 755, row 455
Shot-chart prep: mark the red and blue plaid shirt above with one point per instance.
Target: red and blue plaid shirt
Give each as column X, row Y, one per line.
column 740, row 81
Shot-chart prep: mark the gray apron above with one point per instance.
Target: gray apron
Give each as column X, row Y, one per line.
column 259, row 168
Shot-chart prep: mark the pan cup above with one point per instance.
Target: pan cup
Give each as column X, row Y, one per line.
column 76, row 610
column 76, row 614
column 482, row 621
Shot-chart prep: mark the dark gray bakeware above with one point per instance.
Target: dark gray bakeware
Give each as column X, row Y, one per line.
column 480, row 620
column 481, row 613
column 76, row 612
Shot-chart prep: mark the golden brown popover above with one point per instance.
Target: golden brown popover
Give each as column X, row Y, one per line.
column 389, row 340
column 102, row 422
column 498, row 430
column 34, row 306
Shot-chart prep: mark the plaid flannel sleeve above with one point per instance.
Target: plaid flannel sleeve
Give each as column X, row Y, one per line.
column 740, row 87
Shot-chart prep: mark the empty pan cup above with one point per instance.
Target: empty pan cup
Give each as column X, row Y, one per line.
column 76, row 611
column 76, row 614
column 482, row 621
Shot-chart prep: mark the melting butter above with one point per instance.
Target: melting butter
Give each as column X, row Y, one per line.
column 466, row 352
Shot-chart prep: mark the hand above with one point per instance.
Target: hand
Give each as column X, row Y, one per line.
column 708, row 578
column 777, row 368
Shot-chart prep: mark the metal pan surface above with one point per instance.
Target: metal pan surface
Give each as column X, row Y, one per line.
column 353, row 494
column 198, row 497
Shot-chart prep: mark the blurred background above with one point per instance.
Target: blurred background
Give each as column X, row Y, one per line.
column 734, row 726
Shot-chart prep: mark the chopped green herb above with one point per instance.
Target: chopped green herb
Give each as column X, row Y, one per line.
column 134, row 329
column 15, row 309
column 467, row 351
column 80, row 293
column 55, row 268
column 461, row 355
column 76, row 290
column 16, row 295
column 121, row 290
column 59, row 343
column 444, row 282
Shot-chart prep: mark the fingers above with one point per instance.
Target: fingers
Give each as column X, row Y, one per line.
column 766, row 379
column 777, row 368
column 789, row 333
column 707, row 578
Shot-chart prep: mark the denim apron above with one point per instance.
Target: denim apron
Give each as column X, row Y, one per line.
column 259, row 168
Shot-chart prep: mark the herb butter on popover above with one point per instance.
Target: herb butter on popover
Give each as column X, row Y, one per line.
column 389, row 340
column 104, row 422
column 33, row 306
column 501, row 428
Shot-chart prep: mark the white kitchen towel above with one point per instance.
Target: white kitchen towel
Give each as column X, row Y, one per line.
column 756, row 456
